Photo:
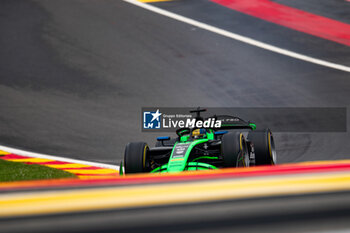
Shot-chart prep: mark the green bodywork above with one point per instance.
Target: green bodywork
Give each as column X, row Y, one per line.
column 181, row 163
column 181, row 159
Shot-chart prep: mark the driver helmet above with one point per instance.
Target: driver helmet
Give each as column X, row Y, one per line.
column 199, row 133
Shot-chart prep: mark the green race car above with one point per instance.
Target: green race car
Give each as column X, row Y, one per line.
column 236, row 143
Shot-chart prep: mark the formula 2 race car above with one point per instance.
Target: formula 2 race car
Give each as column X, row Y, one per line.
column 236, row 144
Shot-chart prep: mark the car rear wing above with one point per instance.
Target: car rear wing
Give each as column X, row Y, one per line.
column 233, row 122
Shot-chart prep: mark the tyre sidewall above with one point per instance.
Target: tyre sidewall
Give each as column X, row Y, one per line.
column 232, row 148
column 135, row 157
column 263, row 147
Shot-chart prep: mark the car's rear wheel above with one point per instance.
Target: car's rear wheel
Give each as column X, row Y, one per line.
column 135, row 157
column 264, row 147
column 234, row 150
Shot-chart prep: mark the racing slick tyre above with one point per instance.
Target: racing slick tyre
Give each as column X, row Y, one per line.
column 264, row 147
column 234, row 150
column 135, row 157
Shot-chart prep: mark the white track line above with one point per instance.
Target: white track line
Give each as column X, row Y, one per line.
column 239, row 37
column 62, row 159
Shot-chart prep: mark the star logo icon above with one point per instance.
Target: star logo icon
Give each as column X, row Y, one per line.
column 156, row 115
column 151, row 119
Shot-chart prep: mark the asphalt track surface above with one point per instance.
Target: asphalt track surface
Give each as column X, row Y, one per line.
column 74, row 75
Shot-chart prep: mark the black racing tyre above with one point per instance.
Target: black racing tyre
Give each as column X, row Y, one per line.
column 135, row 157
column 264, row 147
column 234, row 150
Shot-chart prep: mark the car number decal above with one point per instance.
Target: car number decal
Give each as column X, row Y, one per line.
column 180, row 150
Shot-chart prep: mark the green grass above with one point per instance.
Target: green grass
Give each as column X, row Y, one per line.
column 15, row 171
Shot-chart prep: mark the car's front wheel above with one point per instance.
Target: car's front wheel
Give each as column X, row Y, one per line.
column 234, row 150
column 135, row 157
